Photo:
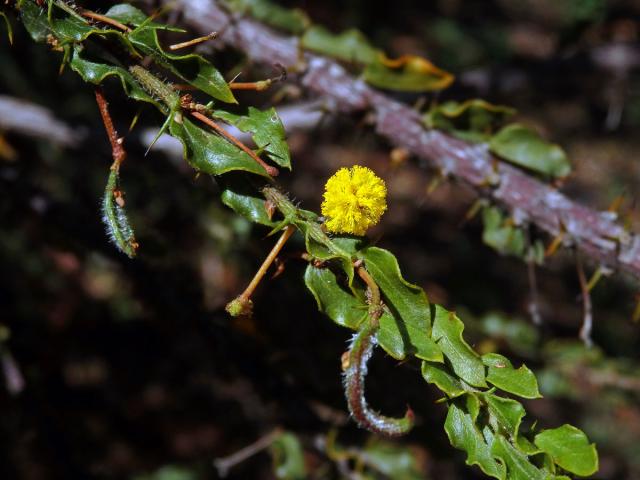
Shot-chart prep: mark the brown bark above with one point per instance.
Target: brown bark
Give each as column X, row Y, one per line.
column 596, row 234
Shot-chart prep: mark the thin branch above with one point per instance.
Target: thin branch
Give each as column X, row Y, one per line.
column 117, row 148
column 596, row 234
column 104, row 19
column 224, row 464
column 587, row 319
column 206, row 120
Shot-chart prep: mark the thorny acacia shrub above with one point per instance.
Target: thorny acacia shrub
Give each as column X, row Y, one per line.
column 357, row 285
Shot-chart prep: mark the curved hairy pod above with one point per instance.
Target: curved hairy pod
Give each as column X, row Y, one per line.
column 361, row 350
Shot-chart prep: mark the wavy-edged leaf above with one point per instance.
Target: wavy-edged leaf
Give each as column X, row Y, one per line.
column 266, row 130
column 191, row 68
column 115, row 218
column 464, row 435
column 518, row 465
column 521, row 381
column 438, row 376
column 349, row 46
column 524, row 147
column 243, row 198
column 338, row 304
column 95, row 73
column 473, row 120
column 210, row 153
column 396, row 462
column 569, row 447
column 407, row 302
column 508, row 412
column 292, row 20
column 408, row 73
column 447, row 332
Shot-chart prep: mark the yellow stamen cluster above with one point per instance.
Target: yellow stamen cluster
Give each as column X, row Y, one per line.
column 354, row 200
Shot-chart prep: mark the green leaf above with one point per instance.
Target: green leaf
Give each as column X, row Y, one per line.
column 521, row 382
column 499, row 235
column 569, row 447
column 474, row 120
column 266, row 130
column 239, row 195
column 407, row 73
column 438, row 376
column 524, row 147
column 211, row 153
column 349, row 46
column 191, row 68
column 464, row 435
column 341, row 307
column 95, row 73
column 288, row 457
column 396, row 462
column 407, row 303
column 292, row 20
column 447, row 332
column 115, row 218
column 507, row 412
column 518, row 465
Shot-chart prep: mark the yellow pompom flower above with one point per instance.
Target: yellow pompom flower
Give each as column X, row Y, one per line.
column 354, row 200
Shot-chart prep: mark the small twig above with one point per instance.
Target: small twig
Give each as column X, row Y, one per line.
column 224, row 464
column 375, row 300
column 204, row 119
column 195, row 41
column 587, row 319
column 104, row 19
column 242, row 304
column 117, row 149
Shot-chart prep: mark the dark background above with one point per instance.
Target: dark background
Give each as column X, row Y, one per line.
column 133, row 365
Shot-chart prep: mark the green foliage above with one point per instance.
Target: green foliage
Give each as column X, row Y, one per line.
column 474, row 120
column 291, row 20
column 486, row 425
column 570, row 449
column 266, row 130
column 349, row 46
column 524, row 147
column 288, row 457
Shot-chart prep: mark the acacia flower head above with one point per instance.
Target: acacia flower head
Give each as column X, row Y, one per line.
column 354, row 200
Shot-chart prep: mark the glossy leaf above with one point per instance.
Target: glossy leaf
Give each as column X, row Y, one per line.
column 521, row 381
column 438, row 376
column 115, row 218
column 292, row 20
column 338, row 304
column 464, row 435
column 349, row 46
column 447, row 332
column 518, row 465
column 473, row 120
column 210, row 153
column 266, row 130
column 239, row 195
column 288, row 457
column 506, row 411
column 407, row 303
column 96, row 73
column 407, row 73
column 524, row 147
column 569, row 447
column 191, row 68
